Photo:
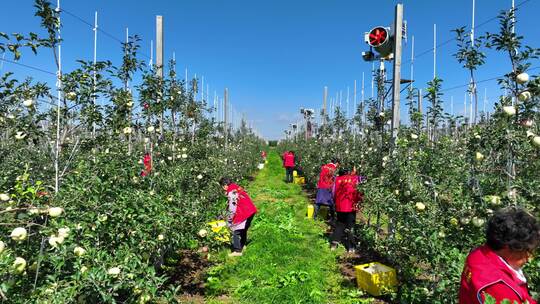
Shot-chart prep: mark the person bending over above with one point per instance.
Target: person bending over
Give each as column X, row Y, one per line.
column 241, row 211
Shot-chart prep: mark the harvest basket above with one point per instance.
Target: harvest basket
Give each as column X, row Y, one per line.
column 376, row 278
column 300, row 180
column 220, row 231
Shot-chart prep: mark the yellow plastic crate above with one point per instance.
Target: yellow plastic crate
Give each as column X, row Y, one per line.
column 376, row 278
column 299, row 180
column 217, row 226
column 220, row 229
column 310, row 210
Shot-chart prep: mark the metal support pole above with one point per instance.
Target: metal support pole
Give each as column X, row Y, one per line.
column 471, row 116
column 434, row 51
column 465, row 107
column 420, row 101
column 354, row 98
column 216, row 107
column 202, row 88
column 347, row 113
column 474, row 94
column 58, row 105
column 380, row 86
column 305, row 126
column 472, row 26
column 354, row 111
column 372, row 80
column 362, row 100
column 412, row 61
column 325, row 98
column 126, row 85
column 151, row 62
column 159, row 45
column 514, row 18
column 225, row 116
column 398, row 32
column 95, row 71
column 159, row 62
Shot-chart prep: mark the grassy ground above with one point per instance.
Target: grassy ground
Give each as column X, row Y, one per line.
column 288, row 259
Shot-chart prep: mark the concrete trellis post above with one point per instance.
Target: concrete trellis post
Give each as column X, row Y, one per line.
column 59, row 98
column 159, row 62
column 398, row 25
column 325, row 98
column 95, row 29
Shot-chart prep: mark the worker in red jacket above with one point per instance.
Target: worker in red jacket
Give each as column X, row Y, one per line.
column 289, row 164
column 324, row 187
column 346, row 198
column 147, row 161
column 263, row 155
column 241, row 211
column 494, row 269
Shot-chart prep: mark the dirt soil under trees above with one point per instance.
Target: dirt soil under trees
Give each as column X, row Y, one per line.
column 188, row 272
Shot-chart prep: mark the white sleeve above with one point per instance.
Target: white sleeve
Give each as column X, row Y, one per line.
column 233, row 200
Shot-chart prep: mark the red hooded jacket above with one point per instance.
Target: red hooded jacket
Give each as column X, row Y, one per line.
column 326, row 177
column 346, row 197
column 147, row 160
column 244, row 207
column 288, row 160
column 486, row 273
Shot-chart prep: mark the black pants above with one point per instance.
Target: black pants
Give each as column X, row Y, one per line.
column 239, row 237
column 289, row 174
column 344, row 229
column 331, row 210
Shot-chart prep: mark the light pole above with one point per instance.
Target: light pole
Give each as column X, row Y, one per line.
column 294, row 127
column 308, row 113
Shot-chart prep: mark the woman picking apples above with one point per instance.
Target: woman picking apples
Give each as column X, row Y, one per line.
column 346, row 198
column 324, row 187
column 494, row 269
column 289, row 164
column 240, row 214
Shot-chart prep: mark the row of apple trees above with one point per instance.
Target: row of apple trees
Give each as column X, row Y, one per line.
column 429, row 195
column 104, row 182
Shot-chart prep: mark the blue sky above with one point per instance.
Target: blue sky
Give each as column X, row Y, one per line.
column 276, row 56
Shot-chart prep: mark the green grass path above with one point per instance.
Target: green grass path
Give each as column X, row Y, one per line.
column 288, row 260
